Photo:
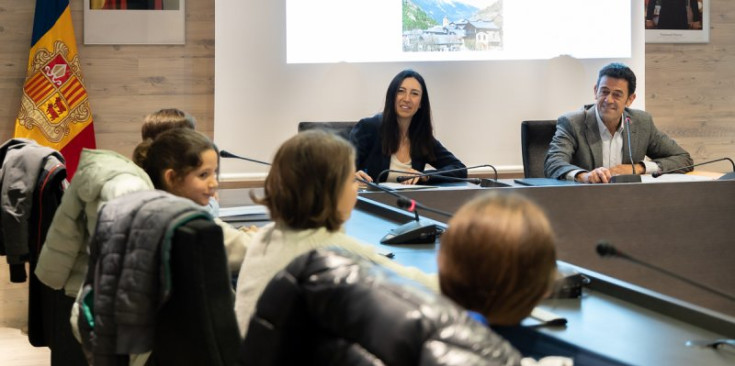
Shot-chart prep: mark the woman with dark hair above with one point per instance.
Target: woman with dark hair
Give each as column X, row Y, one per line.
column 401, row 138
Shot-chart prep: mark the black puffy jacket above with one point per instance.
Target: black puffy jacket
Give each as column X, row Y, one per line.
column 332, row 307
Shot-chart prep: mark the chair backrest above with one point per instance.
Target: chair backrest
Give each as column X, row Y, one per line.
column 197, row 325
column 535, row 139
column 332, row 307
column 341, row 129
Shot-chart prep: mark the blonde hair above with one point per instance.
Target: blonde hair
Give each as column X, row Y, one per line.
column 498, row 257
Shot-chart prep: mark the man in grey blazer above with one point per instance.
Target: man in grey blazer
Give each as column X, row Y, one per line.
column 590, row 145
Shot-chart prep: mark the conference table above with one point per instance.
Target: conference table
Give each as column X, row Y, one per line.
column 628, row 312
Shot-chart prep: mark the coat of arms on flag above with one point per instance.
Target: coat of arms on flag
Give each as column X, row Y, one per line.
column 54, row 109
column 53, row 96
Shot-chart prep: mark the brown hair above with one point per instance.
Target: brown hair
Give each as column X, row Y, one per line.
column 306, row 179
column 165, row 119
column 179, row 149
column 497, row 257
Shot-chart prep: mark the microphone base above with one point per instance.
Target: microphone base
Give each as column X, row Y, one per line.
column 568, row 283
column 413, row 232
column 487, row 183
column 626, row 178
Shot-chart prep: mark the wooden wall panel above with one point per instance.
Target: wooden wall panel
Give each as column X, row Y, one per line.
column 124, row 83
column 689, row 86
column 15, row 36
column 691, row 89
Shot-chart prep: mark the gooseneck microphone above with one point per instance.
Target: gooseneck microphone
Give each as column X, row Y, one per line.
column 605, row 249
column 726, row 176
column 227, row 154
column 386, row 171
column 627, row 178
column 411, row 205
column 440, row 173
column 482, row 182
column 404, row 202
column 412, row 232
column 630, row 147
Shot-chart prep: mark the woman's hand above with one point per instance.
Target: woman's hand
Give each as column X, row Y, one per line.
column 360, row 174
column 416, row 180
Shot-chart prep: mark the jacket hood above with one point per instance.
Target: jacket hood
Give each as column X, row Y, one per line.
column 96, row 167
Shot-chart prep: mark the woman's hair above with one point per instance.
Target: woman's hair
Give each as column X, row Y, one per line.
column 421, row 131
column 497, row 257
column 163, row 120
column 306, row 180
column 179, row 149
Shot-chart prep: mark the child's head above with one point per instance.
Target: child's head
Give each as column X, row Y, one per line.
column 163, row 120
column 312, row 183
column 180, row 161
column 497, row 257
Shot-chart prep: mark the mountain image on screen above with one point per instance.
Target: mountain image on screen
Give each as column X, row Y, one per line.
column 452, row 26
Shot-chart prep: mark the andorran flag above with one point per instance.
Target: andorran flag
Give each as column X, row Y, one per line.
column 54, row 107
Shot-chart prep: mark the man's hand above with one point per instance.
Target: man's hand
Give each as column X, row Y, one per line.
column 599, row 175
column 628, row 169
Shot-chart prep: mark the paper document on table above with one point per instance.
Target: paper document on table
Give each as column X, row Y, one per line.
column 243, row 210
column 405, row 187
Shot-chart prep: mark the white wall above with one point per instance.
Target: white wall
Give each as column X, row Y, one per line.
column 477, row 105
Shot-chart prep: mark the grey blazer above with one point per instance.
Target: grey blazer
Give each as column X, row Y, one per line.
column 576, row 144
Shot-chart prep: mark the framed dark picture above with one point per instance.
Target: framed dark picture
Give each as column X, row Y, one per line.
column 677, row 21
column 134, row 22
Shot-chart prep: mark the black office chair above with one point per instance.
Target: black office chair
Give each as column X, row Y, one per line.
column 332, row 307
column 197, row 325
column 341, row 129
column 535, row 139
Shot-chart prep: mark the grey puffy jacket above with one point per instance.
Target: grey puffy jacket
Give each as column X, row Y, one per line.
column 128, row 278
